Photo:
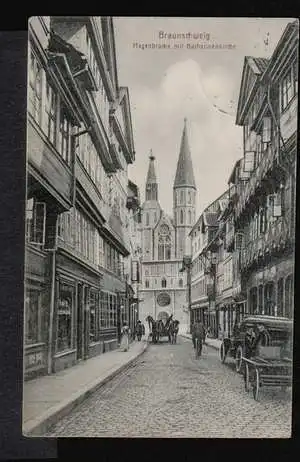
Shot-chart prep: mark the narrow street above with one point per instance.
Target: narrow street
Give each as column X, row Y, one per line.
column 168, row 393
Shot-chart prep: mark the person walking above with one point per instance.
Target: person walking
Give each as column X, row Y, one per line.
column 198, row 337
column 139, row 330
column 125, row 337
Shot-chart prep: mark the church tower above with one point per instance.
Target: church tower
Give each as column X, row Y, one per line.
column 184, row 196
column 151, row 210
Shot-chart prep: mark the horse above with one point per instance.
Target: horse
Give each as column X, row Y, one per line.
column 173, row 331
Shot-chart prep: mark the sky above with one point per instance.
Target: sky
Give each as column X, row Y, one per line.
column 167, row 85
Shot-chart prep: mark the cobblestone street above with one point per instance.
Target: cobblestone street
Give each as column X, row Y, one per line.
column 168, row 393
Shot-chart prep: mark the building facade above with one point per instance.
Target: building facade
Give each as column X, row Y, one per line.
column 265, row 178
column 207, row 265
column 80, row 143
column 165, row 241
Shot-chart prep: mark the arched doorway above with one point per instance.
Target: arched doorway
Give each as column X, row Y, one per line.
column 163, row 315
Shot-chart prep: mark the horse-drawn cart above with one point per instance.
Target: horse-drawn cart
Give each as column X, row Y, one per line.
column 268, row 369
column 160, row 329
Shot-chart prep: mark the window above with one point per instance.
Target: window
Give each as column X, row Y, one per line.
column 190, row 217
column 35, row 88
column 147, row 284
column 65, row 136
column 147, row 219
column 181, row 197
column 164, row 248
column 65, row 316
column 94, row 307
column 104, row 309
column 266, row 129
column 189, row 197
column 51, row 113
column 35, row 222
column 32, row 316
column 181, row 217
column 287, row 89
column 180, row 283
column 163, row 282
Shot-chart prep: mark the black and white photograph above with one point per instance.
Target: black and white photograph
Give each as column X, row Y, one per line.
column 160, row 227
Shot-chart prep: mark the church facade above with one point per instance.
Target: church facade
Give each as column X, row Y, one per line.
column 165, row 241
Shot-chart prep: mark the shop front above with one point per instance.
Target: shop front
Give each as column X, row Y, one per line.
column 76, row 309
column 36, row 312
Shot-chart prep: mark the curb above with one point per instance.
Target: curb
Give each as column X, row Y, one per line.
column 38, row 427
column 205, row 343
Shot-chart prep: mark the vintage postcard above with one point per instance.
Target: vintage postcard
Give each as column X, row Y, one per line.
column 160, row 227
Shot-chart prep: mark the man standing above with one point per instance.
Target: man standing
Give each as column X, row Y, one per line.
column 198, row 335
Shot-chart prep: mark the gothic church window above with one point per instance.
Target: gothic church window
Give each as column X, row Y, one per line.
column 164, row 243
column 181, row 216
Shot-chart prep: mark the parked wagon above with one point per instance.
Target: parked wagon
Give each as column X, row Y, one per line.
column 279, row 330
column 269, row 368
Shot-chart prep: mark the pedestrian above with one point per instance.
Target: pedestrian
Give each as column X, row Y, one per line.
column 262, row 337
column 249, row 342
column 125, row 337
column 139, row 330
column 198, row 336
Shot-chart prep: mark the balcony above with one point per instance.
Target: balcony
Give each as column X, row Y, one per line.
column 47, row 166
column 274, row 240
column 265, row 166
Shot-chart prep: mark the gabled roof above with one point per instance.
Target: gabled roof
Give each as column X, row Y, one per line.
column 231, row 178
column 184, row 172
column 286, row 49
column 253, row 68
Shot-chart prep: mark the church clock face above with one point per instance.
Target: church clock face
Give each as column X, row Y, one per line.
column 163, row 299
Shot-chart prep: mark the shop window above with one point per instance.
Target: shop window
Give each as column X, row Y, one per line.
column 289, row 300
column 65, row 317
column 35, row 222
column 269, row 299
column 280, row 297
column 35, row 88
column 32, row 316
column 94, row 308
column 104, row 309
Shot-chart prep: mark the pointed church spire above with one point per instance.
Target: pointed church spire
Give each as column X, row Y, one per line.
column 151, row 181
column 184, row 173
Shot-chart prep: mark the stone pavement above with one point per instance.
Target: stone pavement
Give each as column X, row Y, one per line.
column 169, row 393
column 47, row 399
column 213, row 342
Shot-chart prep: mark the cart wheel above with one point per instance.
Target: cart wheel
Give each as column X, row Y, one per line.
column 223, row 353
column 256, row 385
column 247, row 381
column 238, row 358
